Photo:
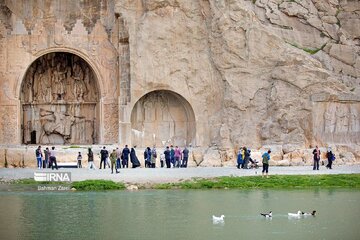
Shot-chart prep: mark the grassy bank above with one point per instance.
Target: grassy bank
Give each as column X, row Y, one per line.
column 97, row 185
column 250, row 182
column 276, row 182
column 87, row 185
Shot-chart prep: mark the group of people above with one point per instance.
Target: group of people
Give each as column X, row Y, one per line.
column 46, row 159
column 172, row 157
column 244, row 158
column 176, row 158
column 317, row 154
column 117, row 158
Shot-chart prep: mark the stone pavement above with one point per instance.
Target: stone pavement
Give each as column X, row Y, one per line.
column 162, row 175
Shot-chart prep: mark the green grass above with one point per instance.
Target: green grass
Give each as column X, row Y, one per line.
column 97, row 185
column 249, row 182
column 276, row 181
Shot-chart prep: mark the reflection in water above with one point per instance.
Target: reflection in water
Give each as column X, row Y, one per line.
column 179, row 214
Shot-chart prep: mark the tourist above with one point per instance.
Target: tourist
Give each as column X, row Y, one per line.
column 147, row 157
column 316, row 154
column 118, row 158
column 243, row 156
column 153, row 157
column 167, row 157
column 177, row 156
column 53, row 158
column 46, row 160
column 39, row 156
column 125, row 157
column 113, row 157
column 133, row 158
column 91, row 159
column 246, row 159
column 103, row 156
column 265, row 161
column 331, row 157
column 79, row 158
column 185, row 157
column 162, row 159
column 239, row 159
column 172, row 155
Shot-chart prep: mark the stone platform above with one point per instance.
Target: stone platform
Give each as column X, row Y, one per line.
column 24, row 155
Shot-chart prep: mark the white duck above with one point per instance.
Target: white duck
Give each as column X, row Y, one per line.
column 218, row 219
column 298, row 214
column 267, row 215
column 309, row 214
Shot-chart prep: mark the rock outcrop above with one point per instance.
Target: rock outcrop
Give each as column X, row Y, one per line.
column 265, row 74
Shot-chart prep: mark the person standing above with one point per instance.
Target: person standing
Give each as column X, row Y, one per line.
column 162, row 160
column 153, row 157
column 185, row 157
column 39, row 156
column 46, row 161
column 133, row 158
column 113, row 157
column 177, row 156
column 79, row 158
column 125, row 155
column 53, row 159
column 103, row 155
column 146, row 158
column 316, row 154
column 118, row 158
column 243, row 156
column 91, row 159
column 172, row 155
column 239, row 159
column 265, row 161
column 247, row 157
column 167, row 157
column 331, row 157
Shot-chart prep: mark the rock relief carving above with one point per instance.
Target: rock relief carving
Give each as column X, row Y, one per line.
column 59, row 99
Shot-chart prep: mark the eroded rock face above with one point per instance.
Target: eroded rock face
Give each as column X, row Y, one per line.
column 264, row 74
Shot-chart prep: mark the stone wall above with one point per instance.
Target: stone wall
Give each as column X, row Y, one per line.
column 264, row 73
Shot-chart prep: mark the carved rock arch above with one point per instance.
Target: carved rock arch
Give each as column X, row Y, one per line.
column 60, row 101
column 162, row 118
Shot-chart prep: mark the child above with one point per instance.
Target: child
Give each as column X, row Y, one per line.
column 162, row 158
column 79, row 158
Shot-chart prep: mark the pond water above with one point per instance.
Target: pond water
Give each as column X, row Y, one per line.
column 179, row 214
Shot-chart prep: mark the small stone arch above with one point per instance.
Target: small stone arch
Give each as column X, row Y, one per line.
column 60, row 101
column 162, row 118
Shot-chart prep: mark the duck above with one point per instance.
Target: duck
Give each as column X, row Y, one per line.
column 218, row 219
column 267, row 215
column 298, row 214
column 309, row 214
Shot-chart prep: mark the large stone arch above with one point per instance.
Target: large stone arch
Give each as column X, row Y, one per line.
column 162, row 117
column 60, row 100
column 70, row 50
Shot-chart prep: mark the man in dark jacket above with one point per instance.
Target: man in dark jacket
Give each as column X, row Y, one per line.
column 185, row 154
column 104, row 154
column 316, row 154
column 172, row 155
column 125, row 155
column 167, row 157
column 331, row 157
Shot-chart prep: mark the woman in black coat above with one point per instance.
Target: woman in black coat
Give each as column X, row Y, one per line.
column 133, row 158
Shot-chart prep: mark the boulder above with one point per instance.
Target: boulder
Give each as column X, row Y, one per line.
column 212, row 158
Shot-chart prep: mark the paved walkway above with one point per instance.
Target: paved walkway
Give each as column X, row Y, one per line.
column 162, row 175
